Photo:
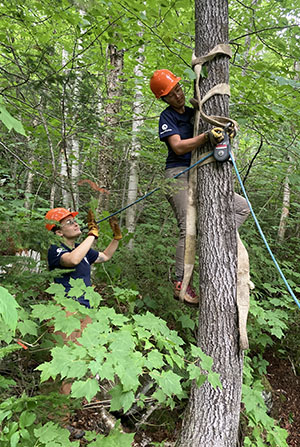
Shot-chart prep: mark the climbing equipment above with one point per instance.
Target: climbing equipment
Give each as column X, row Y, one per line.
column 219, row 121
column 57, row 214
column 162, row 82
column 222, row 149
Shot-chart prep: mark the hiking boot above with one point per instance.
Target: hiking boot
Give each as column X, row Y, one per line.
column 190, row 296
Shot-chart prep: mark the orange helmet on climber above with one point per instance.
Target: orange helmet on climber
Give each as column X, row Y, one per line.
column 58, row 214
column 162, row 82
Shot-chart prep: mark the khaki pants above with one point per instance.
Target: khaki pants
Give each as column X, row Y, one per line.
column 178, row 202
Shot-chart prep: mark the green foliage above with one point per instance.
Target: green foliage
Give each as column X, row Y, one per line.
column 261, row 427
column 115, row 439
column 125, row 350
column 22, row 427
column 56, row 101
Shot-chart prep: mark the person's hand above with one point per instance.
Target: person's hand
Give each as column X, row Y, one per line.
column 113, row 222
column 216, row 135
column 231, row 131
column 92, row 225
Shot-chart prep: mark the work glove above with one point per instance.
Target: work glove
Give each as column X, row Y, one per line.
column 115, row 228
column 231, row 131
column 216, row 135
column 92, row 225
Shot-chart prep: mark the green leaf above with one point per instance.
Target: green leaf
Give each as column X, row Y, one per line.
column 27, row 418
column 214, row 380
column 120, row 399
column 52, row 435
column 115, row 439
column 14, row 439
column 186, row 322
column 8, row 309
column 155, row 360
column 169, row 382
column 9, row 121
column 129, row 371
column 87, row 389
column 27, row 327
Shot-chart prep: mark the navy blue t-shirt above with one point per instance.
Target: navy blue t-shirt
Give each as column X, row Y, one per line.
column 82, row 270
column 171, row 123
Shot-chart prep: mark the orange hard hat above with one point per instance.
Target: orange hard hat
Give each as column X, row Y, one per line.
column 58, row 214
column 162, row 82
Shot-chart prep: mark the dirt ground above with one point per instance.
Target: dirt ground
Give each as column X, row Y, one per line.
column 285, row 396
column 285, row 408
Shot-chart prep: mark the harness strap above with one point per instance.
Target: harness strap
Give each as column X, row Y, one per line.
column 219, row 89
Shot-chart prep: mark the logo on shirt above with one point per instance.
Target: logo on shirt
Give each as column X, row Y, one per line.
column 59, row 250
column 165, row 128
column 85, row 258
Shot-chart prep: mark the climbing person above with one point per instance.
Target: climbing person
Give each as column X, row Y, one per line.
column 176, row 128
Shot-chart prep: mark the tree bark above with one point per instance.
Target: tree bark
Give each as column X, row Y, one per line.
column 111, row 120
column 212, row 416
column 137, row 122
column 285, row 204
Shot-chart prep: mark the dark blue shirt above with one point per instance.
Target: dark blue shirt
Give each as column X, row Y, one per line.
column 172, row 123
column 82, row 270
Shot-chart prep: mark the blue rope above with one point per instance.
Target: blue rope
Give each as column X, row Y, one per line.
column 263, row 236
column 151, row 192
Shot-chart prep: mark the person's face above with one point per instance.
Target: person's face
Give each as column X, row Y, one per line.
column 69, row 228
column 176, row 97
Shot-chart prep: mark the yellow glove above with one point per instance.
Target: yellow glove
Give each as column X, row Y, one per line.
column 92, row 225
column 115, row 228
column 232, row 131
column 216, row 135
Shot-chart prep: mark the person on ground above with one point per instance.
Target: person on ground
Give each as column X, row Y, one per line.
column 176, row 129
column 76, row 257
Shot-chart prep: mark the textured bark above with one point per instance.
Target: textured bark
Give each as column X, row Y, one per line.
column 285, row 204
column 212, row 416
column 112, row 108
column 137, row 122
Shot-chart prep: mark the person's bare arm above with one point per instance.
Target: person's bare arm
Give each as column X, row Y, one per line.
column 108, row 252
column 74, row 257
column 181, row 147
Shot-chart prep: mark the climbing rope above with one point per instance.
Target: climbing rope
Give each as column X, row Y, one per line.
column 262, row 234
column 206, row 156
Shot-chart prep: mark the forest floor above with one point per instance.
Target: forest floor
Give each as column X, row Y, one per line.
column 285, row 407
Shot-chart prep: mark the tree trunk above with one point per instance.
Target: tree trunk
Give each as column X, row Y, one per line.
column 135, row 145
column 212, row 416
column 112, row 108
column 285, row 204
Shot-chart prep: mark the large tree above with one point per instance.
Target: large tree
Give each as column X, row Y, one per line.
column 212, row 416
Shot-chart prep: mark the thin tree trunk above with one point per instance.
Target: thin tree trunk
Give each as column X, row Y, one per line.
column 114, row 91
column 65, row 172
column 29, row 184
column 135, row 145
column 285, row 204
column 212, row 416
